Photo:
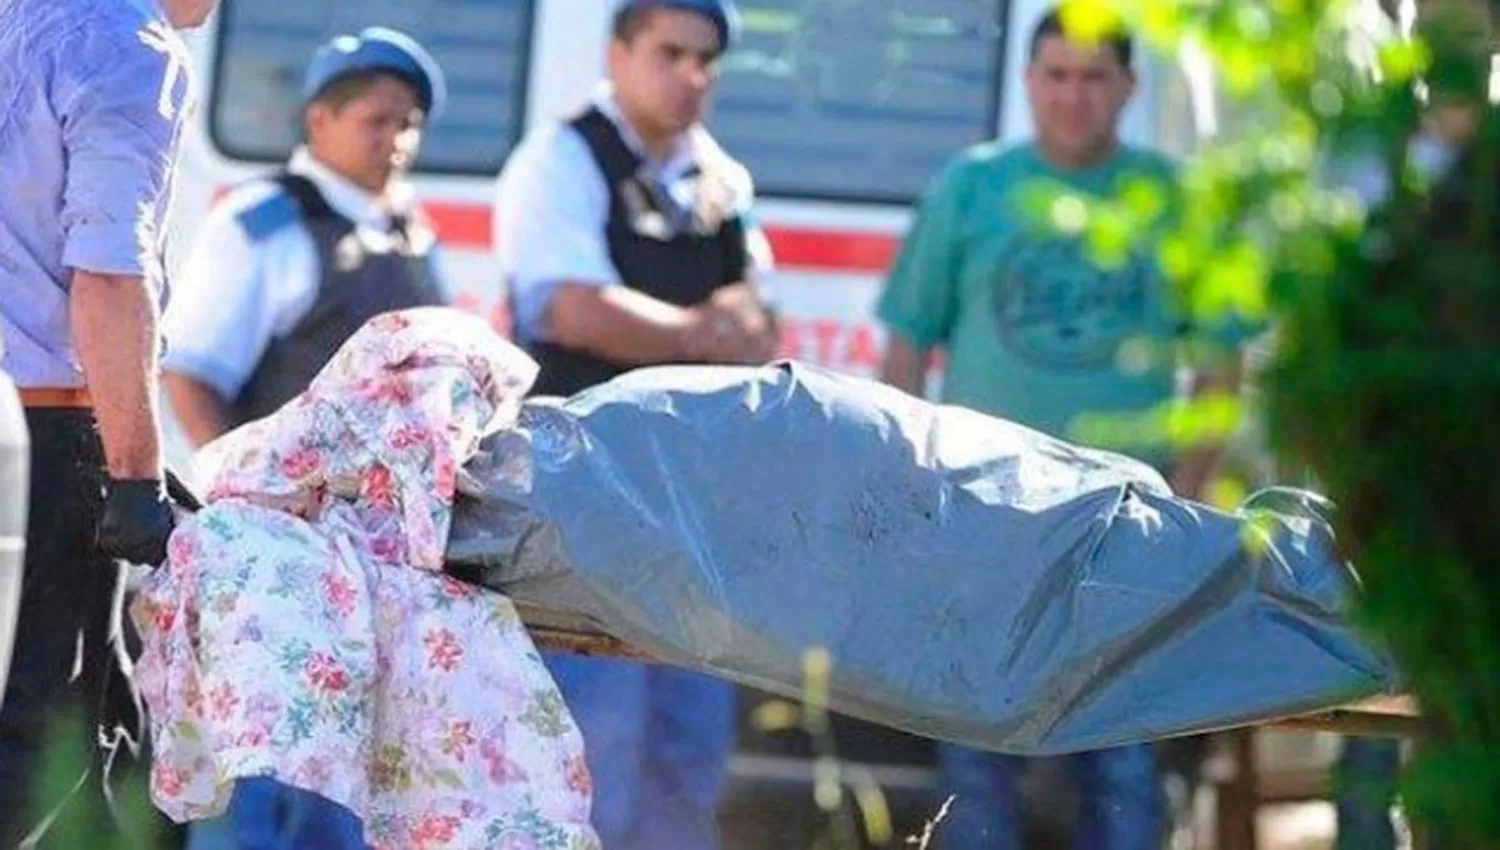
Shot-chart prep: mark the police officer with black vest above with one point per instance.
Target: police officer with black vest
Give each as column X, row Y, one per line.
column 625, row 239
column 286, row 268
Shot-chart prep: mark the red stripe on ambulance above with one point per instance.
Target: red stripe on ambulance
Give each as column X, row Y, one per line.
column 470, row 226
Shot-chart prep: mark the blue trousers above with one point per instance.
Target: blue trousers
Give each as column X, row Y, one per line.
column 267, row 815
column 1368, row 769
column 657, row 740
column 1123, row 807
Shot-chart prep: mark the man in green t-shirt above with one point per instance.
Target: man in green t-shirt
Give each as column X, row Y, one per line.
column 1034, row 329
column 1032, row 326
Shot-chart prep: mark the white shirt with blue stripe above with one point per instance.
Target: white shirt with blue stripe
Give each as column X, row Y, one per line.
column 552, row 206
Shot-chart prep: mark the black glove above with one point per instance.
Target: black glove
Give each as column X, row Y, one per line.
column 138, row 519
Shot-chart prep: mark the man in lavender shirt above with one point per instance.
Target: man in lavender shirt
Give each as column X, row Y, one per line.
column 92, row 101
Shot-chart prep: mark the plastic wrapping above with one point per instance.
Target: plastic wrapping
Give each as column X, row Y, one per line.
column 973, row 580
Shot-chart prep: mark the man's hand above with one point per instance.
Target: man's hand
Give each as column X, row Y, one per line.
column 1193, row 472
column 733, row 327
column 627, row 326
column 1199, row 465
column 138, row 520
column 905, row 366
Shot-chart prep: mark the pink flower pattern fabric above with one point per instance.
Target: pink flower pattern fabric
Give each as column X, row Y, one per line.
column 302, row 627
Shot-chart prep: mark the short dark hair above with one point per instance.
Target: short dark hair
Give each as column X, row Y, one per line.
column 1051, row 25
column 347, row 88
column 632, row 18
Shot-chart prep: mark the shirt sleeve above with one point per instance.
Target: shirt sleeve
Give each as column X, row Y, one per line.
column 758, row 247
column 760, row 261
column 221, row 318
column 442, row 273
column 757, row 244
column 920, row 299
column 121, row 116
column 551, row 209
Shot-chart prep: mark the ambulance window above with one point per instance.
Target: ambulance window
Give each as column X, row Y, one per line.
column 481, row 44
column 858, row 99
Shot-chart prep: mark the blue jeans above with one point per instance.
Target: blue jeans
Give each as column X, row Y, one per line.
column 267, row 815
column 1367, row 773
column 657, row 740
column 1123, row 807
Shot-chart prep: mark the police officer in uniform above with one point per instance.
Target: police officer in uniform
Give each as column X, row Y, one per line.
column 287, row 268
column 93, row 97
column 625, row 239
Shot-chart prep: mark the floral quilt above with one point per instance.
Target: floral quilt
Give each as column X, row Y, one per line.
column 303, row 628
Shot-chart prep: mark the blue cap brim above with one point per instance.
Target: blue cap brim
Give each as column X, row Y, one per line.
column 378, row 49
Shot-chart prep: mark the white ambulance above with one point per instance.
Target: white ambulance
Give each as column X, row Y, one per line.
column 842, row 109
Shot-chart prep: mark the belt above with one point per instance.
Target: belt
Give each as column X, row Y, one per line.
column 75, row 397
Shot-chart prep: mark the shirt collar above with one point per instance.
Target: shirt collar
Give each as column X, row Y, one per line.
column 685, row 148
column 347, row 198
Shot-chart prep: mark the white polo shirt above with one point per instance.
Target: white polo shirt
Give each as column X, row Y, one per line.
column 236, row 294
column 552, row 206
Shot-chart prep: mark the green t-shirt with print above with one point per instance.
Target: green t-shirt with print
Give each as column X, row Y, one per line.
column 1032, row 325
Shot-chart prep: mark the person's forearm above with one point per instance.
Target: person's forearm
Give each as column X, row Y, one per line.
column 620, row 324
column 1194, row 470
column 1200, row 464
column 200, row 410
column 114, row 319
column 905, row 366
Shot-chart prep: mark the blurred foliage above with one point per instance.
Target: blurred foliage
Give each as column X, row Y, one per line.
column 1382, row 380
column 66, row 809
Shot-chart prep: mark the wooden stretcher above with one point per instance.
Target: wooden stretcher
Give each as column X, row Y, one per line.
column 1378, row 717
column 550, row 630
column 1381, row 717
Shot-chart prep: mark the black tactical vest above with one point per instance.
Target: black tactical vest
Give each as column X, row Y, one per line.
column 362, row 276
column 678, row 265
